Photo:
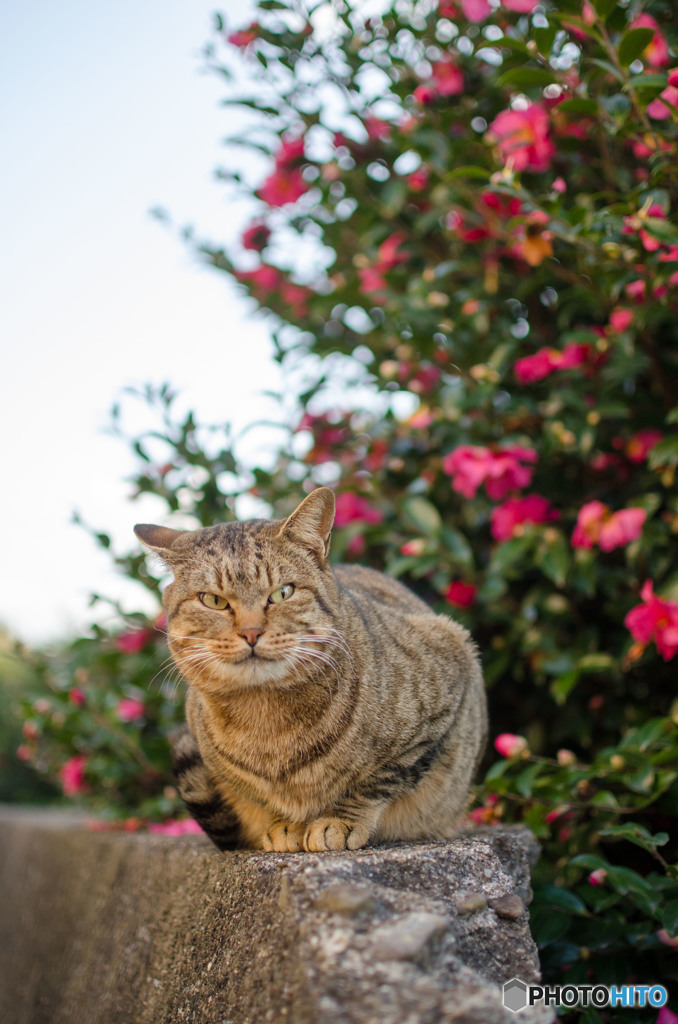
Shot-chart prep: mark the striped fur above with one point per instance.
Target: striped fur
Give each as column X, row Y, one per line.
column 345, row 714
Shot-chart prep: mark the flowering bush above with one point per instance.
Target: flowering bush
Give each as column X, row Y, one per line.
column 482, row 339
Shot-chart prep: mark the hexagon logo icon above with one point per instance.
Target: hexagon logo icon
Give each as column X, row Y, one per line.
column 515, row 995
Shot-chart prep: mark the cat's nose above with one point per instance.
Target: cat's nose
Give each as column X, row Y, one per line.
column 251, row 635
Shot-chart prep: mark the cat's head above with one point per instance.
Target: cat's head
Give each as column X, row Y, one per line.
column 251, row 603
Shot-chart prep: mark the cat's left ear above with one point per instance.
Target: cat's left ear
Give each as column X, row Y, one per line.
column 311, row 522
column 160, row 539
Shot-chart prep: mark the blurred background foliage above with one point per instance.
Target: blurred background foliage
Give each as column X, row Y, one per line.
column 466, row 248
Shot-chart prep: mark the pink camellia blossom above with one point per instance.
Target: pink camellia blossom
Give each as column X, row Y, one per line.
column 672, row 943
column 24, row 753
column 460, row 594
column 256, row 236
column 514, row 513
column 660, row 108
column 673, row 76
column 286, row 182
column 418, row 180
column 372, row 279
column 446, row 80
column 488, row 813
column 72, row 775
column 520, row 6
column 523, row 138
column 245, row 36
column 665, row 1016
column 638, row 446
column 598, row 876
column 621, row 318
column 501, row 469
column 509, row 745
column 656, row 52
column 128, row 709
column 597, row 524
column 133, row 641
column 530, row 369
column 76, row 696
column 414, row 547
column 475, row 10
column 185, row 827
column 655, row 619
column 636, row 290
column 353, row 508
column 636, row 224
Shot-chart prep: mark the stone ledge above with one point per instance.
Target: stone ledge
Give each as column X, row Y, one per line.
column 108, row 928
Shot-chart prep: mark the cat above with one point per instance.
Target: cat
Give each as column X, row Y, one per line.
column 327, row 708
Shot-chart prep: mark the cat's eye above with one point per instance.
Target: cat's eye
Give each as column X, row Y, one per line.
column 282, row 593
column 214, row 601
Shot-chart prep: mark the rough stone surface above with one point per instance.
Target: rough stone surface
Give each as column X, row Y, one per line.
column 108, row 928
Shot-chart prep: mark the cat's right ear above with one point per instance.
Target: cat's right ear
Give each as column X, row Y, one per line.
column 311, row 522
column 160, row 539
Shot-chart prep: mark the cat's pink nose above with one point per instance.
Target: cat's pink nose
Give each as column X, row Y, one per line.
column 251, row 635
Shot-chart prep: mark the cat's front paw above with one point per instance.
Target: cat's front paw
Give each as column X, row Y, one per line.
column 284, row 837
column 334, row 834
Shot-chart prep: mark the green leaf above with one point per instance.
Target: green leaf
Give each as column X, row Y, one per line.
column 670, row 917
column 458, row 545
column 423, row 515
column 604, row 7
column 555, row 898
column 525, row 779
column 636, row 834
column 470, row 171
column 544, row 38
column 633, row 43
column 526, row 76
column 562, row 687
column 578, row 105
column 555, row 560
column 664, row 453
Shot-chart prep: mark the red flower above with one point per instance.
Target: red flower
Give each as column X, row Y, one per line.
column 597, row 524
column 418, row 180
column 372, row 278
column 133, row 641
column 72, row 775
column 656, row 52
column 286, row 183
column 523, row 139
column 501, row 470
column 636, row 290
column 507, row 518
column 446, row 80
column 656, row 619
column 76, row 696
column 509, row 745
column 533, row 368
column 256, row 236
column 638, row 446
column 520, row 6
column 660, row 108
column 460, row 594
column 352, row 508
column 128, row 709
column 245, row 36
column 636, row 224
column 621, row 318
column 598, row 876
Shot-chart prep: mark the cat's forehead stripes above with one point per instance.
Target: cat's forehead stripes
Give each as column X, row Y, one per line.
column 235, row 555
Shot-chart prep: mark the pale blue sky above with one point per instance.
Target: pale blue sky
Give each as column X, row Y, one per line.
column 104, row 114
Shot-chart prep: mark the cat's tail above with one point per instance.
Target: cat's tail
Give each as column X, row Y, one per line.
column 200, row 794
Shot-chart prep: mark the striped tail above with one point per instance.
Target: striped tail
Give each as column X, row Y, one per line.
column 201, row 796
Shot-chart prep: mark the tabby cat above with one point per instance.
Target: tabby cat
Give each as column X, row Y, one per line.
column 327, row 708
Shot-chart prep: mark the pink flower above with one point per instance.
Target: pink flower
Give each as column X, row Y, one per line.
column 353, row 508
column 656, row 619
column 185, row 827
column 523, row 139
column 598, row 877
column 560, row 185
column 286, row 183
column 256, row 236
column 500, row 470
column 672, row 943
column 660, row 108
column 530, row 369
column 475, row 10
column 507, row 518
column 133, row 641
column 636, row 224
column 76, row 696
column 460, row 594
column 520, row 6
column 446, row 80
column 636, row 290
column 245, row 36
column 72, row 775
column 23, row 752
column 509, row 745
column 414, row 547
column 418, row 180
column 620, row 319
column 128, row 709
column 656, row 52
column 665, row 1016
column 376, row 128
column 372, row 278
column 638, row 446
column 597, row 524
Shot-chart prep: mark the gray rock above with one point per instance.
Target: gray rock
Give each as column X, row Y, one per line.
column 111, row 928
